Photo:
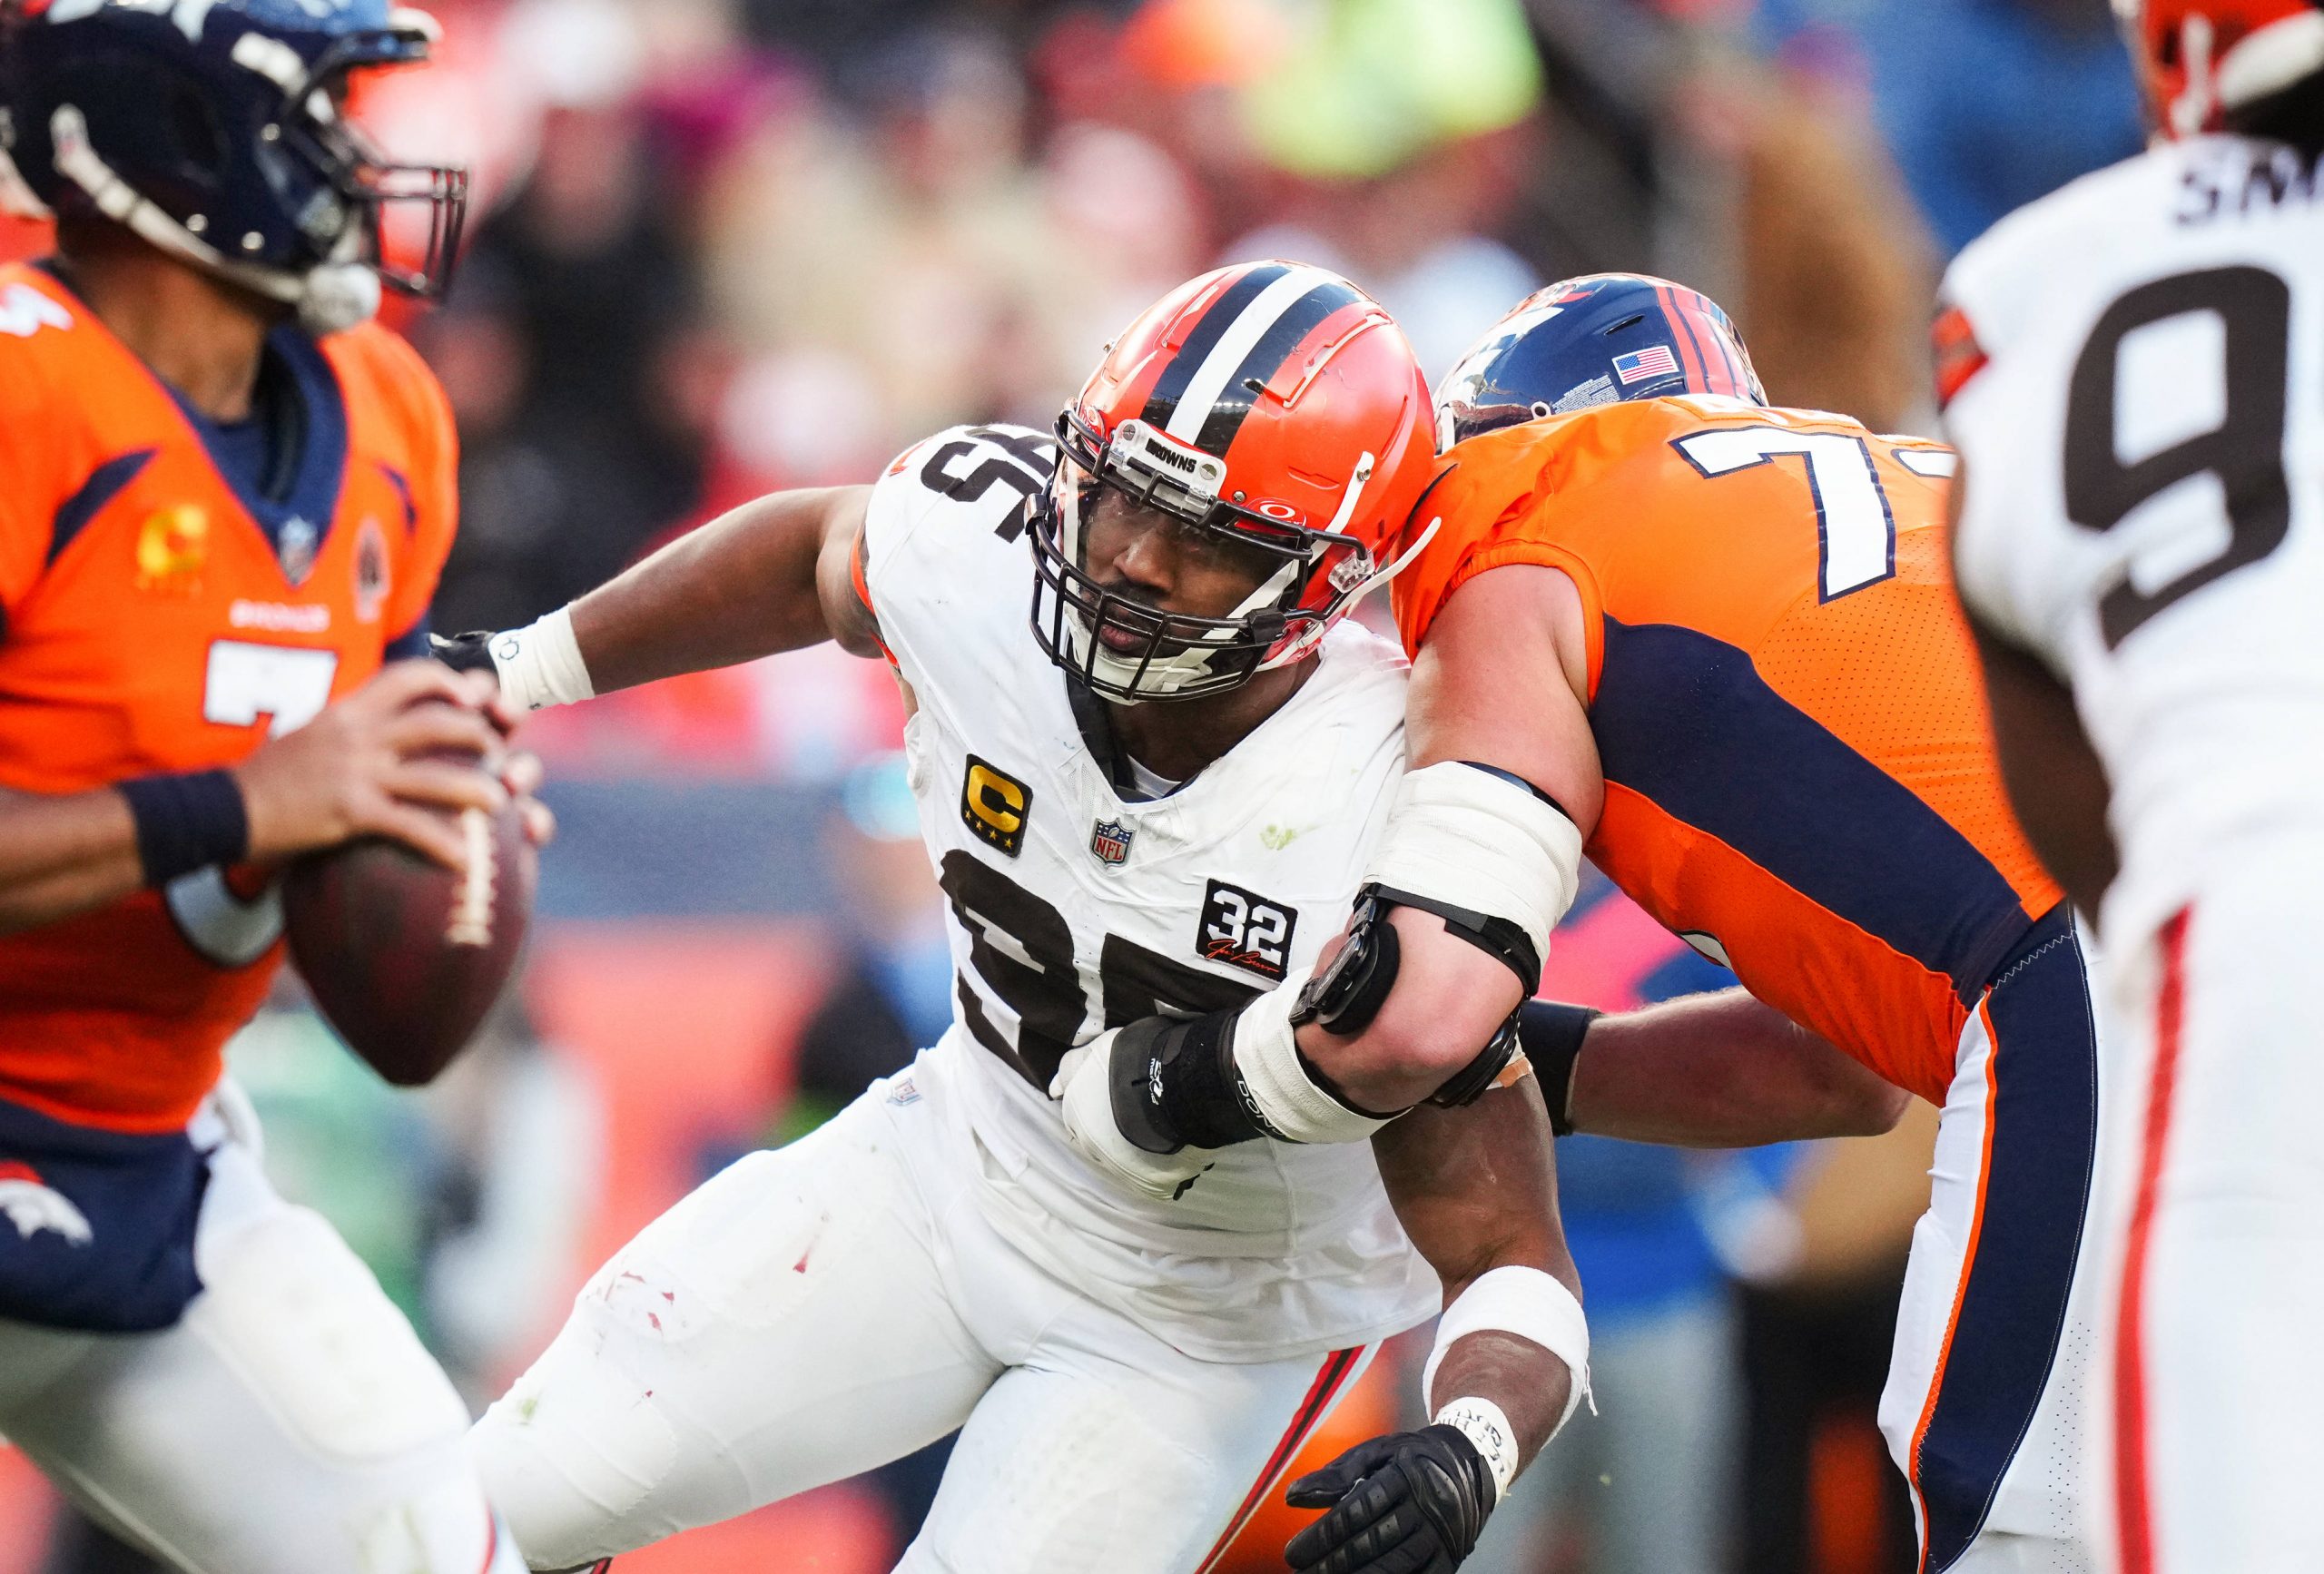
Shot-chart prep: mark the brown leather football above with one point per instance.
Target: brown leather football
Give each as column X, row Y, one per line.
column 403, row 956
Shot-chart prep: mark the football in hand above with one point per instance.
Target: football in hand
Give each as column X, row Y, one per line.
column 403, row 956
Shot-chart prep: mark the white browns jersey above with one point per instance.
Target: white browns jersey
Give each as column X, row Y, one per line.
column 2139, row 361
column 1072, row 910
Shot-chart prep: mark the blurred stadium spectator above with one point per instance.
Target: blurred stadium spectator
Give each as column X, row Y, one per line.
column 1646, row 1483
column 1985, row 104
column 567, row 357
column 1818, row 1492
column 890, row 995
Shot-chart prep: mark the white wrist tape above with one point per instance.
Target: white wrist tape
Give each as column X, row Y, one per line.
column 540, row 665
column 1484, row 1423
column 1266, row 1056
column 1464, row 836
column 1533, row 1306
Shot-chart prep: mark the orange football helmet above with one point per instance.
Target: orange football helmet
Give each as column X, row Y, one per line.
column 2204, row 60
column 1273, row 403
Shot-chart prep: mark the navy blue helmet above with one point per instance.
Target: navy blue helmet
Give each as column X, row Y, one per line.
column 215, row 131
column 1593, row 340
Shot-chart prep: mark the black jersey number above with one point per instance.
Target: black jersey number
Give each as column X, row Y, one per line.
column 1022, row 947
column 1021, row 463
column 2245, row 451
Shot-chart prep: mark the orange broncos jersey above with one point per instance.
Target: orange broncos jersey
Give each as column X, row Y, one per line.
column 1799, row 778
column 152, row 618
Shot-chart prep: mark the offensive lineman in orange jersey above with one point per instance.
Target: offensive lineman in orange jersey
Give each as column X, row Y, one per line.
column 1715, row 643
column 224, row 500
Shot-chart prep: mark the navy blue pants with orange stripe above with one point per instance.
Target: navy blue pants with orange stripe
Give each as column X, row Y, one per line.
column 1985, row 1406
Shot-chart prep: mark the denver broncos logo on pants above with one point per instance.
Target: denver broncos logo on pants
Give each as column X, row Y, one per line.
column 104, row 1223
column 33, row 1205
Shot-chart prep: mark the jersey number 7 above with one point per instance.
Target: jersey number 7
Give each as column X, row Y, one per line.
column 1854, row 526
column 246, row 684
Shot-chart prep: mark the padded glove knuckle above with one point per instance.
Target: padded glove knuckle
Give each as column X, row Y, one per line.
column 463, row 652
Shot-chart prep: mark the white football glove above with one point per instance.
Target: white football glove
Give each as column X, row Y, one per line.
column 1084, row 1086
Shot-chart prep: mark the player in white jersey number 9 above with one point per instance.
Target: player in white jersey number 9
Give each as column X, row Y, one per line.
column 2133, row 371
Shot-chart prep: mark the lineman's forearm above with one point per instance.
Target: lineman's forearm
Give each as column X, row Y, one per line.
column 1722, row 1070
column 742, row 587
column 1476, row 1191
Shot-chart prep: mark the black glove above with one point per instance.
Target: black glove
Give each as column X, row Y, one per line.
column 465, row 653
column 1414, row 1503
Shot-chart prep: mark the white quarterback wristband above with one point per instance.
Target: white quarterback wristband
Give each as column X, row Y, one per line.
column 1484, row 1424
column 1266, row 1056
column 540, row 664
column 1530, row 1305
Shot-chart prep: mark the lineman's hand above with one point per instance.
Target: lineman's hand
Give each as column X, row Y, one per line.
column 465, row 652
column 1084, row 1083
column 1413, row 1503
column 371, row 765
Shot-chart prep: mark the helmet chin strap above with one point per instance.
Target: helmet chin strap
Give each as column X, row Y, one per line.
column 338, row 296
column 330, row 298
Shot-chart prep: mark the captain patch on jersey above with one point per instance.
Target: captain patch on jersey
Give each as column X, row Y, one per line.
column 1078, row 902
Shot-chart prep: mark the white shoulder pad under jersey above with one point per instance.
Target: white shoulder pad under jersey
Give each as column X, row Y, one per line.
column 2137, row 372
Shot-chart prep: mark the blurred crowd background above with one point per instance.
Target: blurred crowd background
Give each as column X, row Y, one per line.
column 725, row 246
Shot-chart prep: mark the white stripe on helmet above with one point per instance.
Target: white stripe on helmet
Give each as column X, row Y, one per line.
column 1242, row 335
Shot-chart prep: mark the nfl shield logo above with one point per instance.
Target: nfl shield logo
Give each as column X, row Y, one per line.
column 1110, row 841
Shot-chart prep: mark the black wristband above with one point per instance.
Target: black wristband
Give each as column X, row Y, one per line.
column 1552, row 1036
column 1174, row 1086
column 187, row 822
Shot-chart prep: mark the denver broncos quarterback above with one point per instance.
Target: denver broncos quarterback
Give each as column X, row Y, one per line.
column 223, row 503
column 2135, row 369
column 1717, row 640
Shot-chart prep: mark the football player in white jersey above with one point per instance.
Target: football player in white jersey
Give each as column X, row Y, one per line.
column 2134, row 370
column 1131, row 1372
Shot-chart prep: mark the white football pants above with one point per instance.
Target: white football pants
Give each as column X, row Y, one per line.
column 2216, row 1301
column 817, row 1311
column 290, row 1423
